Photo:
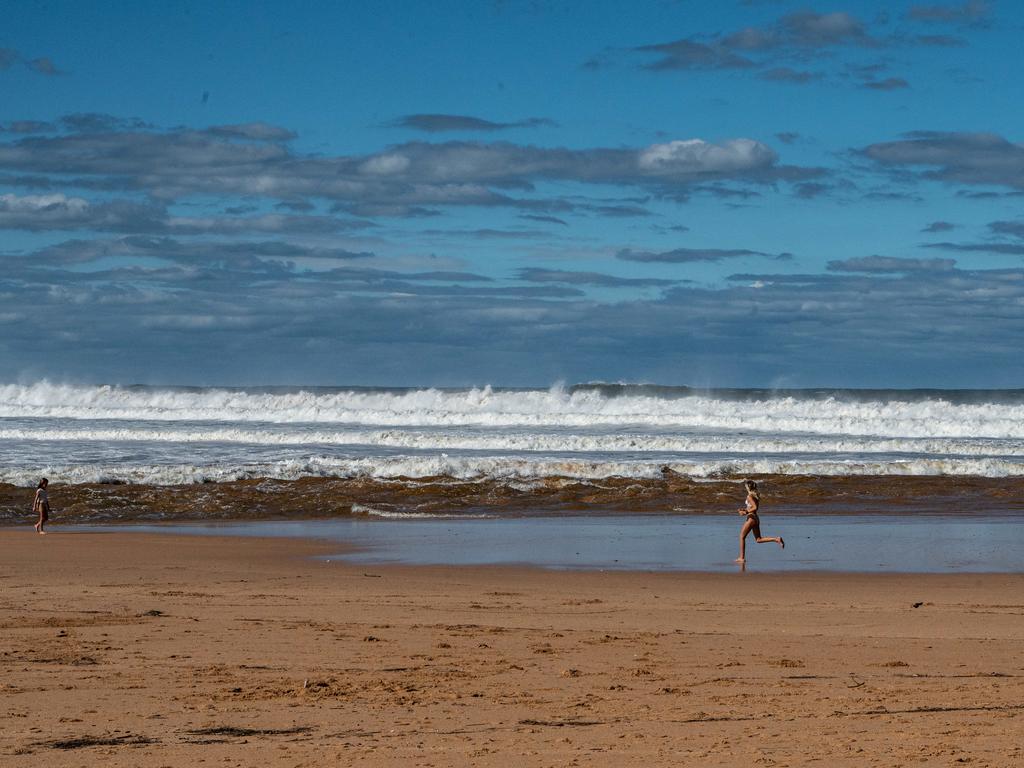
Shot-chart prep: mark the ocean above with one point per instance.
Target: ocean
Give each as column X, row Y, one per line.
column 164, row 453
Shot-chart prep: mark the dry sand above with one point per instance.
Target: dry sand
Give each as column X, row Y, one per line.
column 165, row 650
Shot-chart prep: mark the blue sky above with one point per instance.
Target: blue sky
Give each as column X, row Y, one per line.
column 393, row 193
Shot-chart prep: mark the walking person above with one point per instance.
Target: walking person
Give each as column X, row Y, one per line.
column 752, row 522
column 41, row 505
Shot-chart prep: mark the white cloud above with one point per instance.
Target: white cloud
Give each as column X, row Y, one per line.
column 692, row 156
column 32, row 203
column 182, row 163
column 385, row 165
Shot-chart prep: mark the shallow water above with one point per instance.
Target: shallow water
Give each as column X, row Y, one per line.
column 853, row 543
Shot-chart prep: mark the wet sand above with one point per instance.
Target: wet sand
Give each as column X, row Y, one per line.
column 166, row 650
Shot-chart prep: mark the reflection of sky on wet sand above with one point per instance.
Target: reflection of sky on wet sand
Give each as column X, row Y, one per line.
column 833, row 543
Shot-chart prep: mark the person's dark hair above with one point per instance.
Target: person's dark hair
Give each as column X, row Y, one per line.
column 43, row 483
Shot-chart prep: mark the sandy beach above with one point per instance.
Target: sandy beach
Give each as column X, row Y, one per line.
column 167, row 650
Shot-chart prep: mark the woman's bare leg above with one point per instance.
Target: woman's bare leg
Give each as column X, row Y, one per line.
column 765, row 539
column 747, row 526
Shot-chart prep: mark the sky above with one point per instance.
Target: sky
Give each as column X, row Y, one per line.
column 517, row 193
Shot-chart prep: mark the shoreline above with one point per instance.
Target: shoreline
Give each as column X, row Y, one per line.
column 158, row 649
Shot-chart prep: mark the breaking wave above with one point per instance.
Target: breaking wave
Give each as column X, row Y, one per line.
column 188, row 436
column 938, row 415
column 501, row 469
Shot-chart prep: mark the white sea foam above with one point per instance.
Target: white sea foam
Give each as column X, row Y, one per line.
column 436, row 439
column 554, row 408
column 389, row 514
column 506, row 470
column 524, row 441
